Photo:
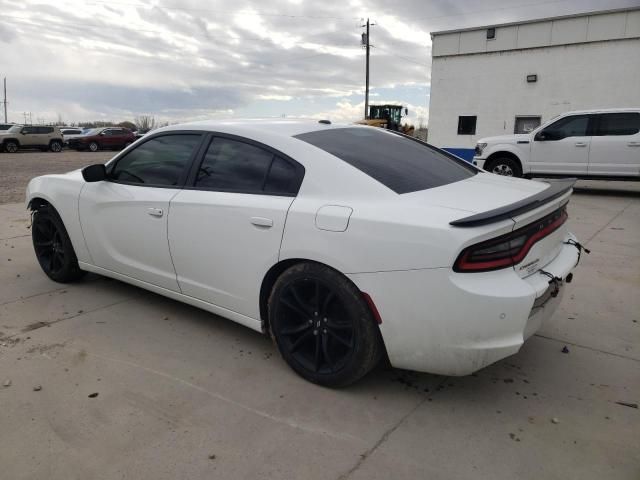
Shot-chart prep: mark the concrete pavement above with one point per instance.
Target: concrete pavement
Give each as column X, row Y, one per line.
column 185, row 394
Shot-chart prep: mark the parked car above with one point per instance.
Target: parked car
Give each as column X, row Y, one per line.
column 585, row 144
column 31, row 136
column 69, row 133
column 109, row 138
column 345, row 243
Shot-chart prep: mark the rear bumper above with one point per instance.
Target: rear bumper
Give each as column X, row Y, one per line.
column 440, row 321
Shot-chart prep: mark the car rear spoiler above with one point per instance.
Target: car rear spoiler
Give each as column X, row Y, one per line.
column 556, row 189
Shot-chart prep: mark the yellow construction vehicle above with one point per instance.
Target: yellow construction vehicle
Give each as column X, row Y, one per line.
column 389, row 117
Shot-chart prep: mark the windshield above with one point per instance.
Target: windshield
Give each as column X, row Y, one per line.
column 401, row 163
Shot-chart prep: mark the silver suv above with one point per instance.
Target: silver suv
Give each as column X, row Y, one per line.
column 31, row 136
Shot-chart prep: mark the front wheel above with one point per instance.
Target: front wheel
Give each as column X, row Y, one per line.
column 11, row 146
column 505, row 166
column 56, row 146
column 94, row 147
column 322, row 325
column 53, row 247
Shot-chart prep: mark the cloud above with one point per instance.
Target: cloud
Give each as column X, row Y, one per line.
column 201, row 58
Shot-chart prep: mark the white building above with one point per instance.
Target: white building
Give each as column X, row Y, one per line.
column 508, row 78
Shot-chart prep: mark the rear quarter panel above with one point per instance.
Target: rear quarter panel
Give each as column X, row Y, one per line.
column 63, row 192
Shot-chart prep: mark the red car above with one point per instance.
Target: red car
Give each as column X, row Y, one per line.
column 109, row 138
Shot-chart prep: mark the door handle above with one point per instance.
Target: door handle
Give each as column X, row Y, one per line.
column 261, row 222
column 155, row 212
column 581, row 144
column 634, row 144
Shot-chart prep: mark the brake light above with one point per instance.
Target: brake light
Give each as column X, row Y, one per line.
column 510, row 249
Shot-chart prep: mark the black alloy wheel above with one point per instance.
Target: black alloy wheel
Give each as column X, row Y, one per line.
column 53, row 247
column 322, row 325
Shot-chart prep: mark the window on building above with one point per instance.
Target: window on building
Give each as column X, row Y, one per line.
column 467, row 125
column 526, row 124
column 619, row 124
column 491, row 33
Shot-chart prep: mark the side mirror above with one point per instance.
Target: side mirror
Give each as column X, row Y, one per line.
column 23, row 132
column 406, row 111
column 102, row 134
column 94, row 173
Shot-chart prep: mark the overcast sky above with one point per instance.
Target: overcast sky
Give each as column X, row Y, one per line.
column 186, row 60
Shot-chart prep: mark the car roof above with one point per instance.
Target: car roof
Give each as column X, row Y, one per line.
column 603, row 110
column 285, row 127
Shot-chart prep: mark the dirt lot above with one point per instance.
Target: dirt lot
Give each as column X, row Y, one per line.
column 99, row 379
column 16, row 169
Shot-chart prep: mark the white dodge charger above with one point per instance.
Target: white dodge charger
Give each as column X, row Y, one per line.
column 344, row 243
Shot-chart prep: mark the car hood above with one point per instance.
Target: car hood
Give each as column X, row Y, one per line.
column 514, row 138
column 480, row 193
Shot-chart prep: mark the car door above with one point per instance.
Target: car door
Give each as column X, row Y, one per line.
column 615, row 146
column 124, row 219
column 29, row 136
column 108, row 138
column 225, row 227
column 563, row 146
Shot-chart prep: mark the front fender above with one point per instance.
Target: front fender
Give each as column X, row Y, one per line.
column 516, row 150
column 63, row 193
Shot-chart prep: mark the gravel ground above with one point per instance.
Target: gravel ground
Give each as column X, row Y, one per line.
column 16, row 169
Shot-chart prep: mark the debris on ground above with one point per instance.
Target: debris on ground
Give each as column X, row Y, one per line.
column 37, row 388
column 212, row 457
column 93, row 395
column 565, row 349
column 555, row 420
column 630, row 405
column 7, row 383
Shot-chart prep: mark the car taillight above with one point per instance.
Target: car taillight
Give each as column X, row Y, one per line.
column 510, row 249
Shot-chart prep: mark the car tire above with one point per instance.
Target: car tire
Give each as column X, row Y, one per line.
column 505, row 166
column 11, row 146
column 322, row 325
column 53, row 247
column 94, row 147
column 56, row 146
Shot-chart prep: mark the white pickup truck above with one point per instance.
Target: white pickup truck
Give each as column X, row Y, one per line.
column 585, row 144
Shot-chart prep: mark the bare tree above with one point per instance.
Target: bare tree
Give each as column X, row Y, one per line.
column 144, row 123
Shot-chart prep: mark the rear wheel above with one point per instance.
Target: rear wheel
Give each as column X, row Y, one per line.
column 94, row 147
column 322, row 326
column 56, row 146
column 53, row 247
column 10, row 146
column 505, row 166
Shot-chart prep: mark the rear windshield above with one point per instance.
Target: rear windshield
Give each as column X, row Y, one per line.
column 402, row 164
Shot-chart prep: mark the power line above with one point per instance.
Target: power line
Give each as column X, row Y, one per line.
column 471, row 12
column 408, row 59
column 222, row 12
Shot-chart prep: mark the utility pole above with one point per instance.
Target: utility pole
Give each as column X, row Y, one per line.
column 5, row 100
column 367, row 45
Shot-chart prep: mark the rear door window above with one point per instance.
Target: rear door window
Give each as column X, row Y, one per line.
column 618, row 124
column 235, row 166
column 400, row 163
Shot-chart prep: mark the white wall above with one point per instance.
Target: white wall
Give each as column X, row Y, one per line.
column 492, row 85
